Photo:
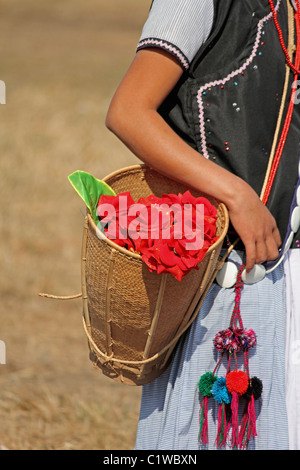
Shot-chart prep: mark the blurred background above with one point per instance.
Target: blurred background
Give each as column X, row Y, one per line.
column 61, row 62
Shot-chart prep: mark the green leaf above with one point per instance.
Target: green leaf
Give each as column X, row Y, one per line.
column 90, row 189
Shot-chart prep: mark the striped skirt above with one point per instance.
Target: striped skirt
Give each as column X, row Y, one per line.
column 169, row 414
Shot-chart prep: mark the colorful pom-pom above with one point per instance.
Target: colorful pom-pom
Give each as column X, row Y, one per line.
column 234, row 340
column 226, row 340
column 237, row 381
column 206, row 383
column 247, row 339
column 220, row 392
column 255, row 388
column 228, row 390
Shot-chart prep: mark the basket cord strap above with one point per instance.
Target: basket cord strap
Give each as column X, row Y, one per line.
column 60, row 297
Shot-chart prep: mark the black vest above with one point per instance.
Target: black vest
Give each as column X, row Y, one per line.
column 226, row 105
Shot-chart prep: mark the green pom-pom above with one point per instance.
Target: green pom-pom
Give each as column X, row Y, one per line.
column 206, row 383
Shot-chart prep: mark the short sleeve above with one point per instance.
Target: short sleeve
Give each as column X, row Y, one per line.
column 180, row 27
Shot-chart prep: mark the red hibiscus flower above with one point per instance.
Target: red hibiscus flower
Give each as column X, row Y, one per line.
column 172, row 233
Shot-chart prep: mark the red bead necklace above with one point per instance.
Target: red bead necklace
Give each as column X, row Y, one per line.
column 288, row 118
column 274, row 12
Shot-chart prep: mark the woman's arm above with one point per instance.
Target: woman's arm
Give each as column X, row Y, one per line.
column 133, row 117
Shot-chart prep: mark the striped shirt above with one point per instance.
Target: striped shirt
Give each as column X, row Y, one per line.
column 179, row 27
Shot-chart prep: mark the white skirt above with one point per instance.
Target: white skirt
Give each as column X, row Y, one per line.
column 169, row 415
column 292, row 277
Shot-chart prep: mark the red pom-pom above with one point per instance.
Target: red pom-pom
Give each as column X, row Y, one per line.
column 237, row 381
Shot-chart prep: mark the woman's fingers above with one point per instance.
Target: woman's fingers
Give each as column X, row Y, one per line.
column 273, row 245
column 263, row 248
column 277, row 237
column 256, row 227
column 250, row 248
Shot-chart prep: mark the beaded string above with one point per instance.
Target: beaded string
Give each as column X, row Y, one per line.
column 288, row 118
column 280, row 34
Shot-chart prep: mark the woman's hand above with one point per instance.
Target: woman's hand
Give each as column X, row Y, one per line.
column 255, row 225
column 133, row 117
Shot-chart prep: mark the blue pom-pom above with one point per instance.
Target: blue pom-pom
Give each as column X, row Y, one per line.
column 220, row 392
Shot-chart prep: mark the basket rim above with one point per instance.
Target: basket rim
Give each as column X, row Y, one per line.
column 137, row 256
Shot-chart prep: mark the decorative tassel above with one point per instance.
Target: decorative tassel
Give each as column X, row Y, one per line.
column 203, row 433
column 244, row 429
column 235, row 422
column 237, row 384
column 248, row 427
column 227, row 390
column 252, row 419
column 223, row 397
column 228, row 422
column 205, row 388
column 222, row 427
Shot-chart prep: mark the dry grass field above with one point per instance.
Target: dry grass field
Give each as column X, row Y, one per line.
column 61, row 62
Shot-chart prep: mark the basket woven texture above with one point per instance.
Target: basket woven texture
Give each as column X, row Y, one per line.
column 133, row 318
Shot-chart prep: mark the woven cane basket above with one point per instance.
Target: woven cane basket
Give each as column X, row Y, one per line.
column 133, row 318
